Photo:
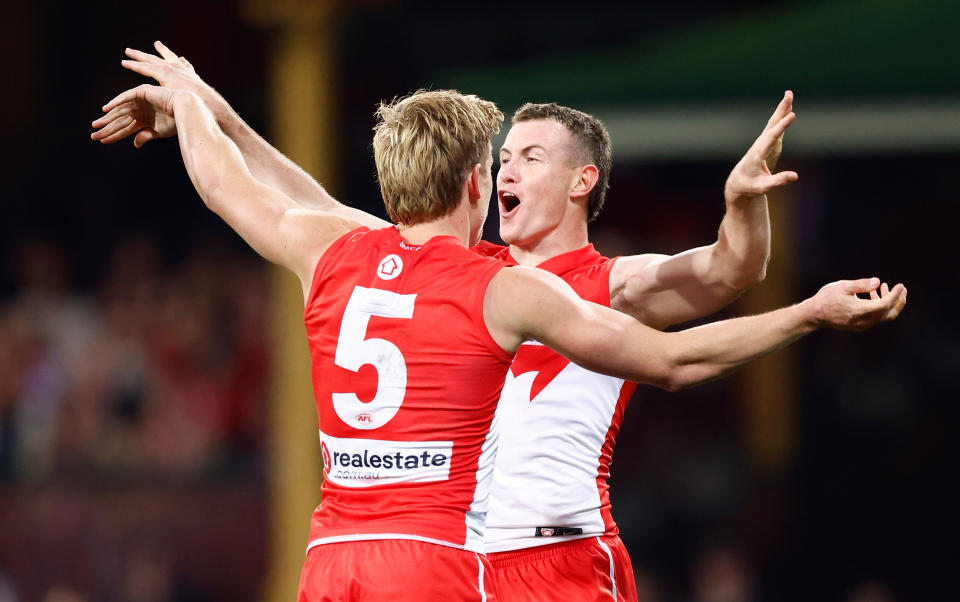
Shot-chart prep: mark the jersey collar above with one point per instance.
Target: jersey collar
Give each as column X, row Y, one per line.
column 440, row 239
column 564, row 262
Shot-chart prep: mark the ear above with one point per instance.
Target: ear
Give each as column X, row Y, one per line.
column 584, row 181
column 473, row 184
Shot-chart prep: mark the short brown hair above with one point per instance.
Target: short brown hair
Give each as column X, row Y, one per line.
column 592, row 136
column 424, row 146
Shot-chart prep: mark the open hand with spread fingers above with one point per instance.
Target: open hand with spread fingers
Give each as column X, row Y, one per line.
column 753, row 176
column 838, row 304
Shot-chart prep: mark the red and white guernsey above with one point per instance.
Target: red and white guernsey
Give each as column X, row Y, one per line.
column 407, row 379
column 557, row 423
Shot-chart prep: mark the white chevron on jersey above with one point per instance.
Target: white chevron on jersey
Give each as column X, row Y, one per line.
column 558, row 424
column 546, row 470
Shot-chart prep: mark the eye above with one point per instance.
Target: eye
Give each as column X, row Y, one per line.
column 531, row 159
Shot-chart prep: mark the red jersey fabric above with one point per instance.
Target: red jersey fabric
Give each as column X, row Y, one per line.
column 406, row 379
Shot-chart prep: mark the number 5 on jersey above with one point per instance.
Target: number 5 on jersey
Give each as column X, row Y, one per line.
column 353, row 351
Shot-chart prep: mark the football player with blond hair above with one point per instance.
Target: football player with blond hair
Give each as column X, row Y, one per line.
column 408, row 465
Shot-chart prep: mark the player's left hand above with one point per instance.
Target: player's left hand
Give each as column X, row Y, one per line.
column 173, row 72
column 839, row 306
column 752, row 176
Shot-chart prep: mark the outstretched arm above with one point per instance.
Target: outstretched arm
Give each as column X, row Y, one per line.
column 524, row 303
column 661, row 290
column 267, row 219
column 265, row 162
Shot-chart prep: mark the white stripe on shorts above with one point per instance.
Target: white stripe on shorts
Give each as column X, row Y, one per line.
column 483, row 593
column 376, row 536
column 613, row 576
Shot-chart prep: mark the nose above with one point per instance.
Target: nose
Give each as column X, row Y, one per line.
column 506, row 173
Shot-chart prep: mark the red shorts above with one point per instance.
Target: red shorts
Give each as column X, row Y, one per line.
column 592, row 568
column 398, row 570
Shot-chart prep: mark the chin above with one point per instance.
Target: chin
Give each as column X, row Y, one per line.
column 506, row 235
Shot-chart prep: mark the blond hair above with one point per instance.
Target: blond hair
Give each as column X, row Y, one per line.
column 425, row 145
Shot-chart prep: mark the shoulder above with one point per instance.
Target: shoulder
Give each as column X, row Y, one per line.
column 523, row 286
column 633, row 270
column 322, row 241
column 632, row 265
column 507, row 300
column 592, row 280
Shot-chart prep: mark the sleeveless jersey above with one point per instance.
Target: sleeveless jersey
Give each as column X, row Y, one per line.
column 406, row 379
column 557, row 423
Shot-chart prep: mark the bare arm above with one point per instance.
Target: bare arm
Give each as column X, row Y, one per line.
column 267, row 219
column 522, row 304
column 661, row 290
column 266, row 163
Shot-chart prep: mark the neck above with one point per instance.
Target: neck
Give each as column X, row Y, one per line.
column 456, row 224
column 568, row 236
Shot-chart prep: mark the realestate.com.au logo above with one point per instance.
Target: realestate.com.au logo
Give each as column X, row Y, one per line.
column 368, row 462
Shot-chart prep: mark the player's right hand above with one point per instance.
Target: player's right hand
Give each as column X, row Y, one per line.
column 130, row 113
column 146, row 109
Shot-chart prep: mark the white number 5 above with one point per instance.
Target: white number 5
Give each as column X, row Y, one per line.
column 353, row 351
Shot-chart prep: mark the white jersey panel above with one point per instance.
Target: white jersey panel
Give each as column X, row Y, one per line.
column 481, row 497
column 546, row 470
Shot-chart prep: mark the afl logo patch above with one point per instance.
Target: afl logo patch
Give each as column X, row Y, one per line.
column 390, row 267
column 326, row 457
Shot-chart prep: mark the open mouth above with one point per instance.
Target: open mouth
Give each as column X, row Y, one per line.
column 509, row 201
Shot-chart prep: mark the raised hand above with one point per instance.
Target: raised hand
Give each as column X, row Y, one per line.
column 140, row 117
column 168, row 69
column 146, row 109
column 753, row 176
column 838, row 304
column 133, row 114
column 783, row 109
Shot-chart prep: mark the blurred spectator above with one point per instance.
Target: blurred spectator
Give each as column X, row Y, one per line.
column 110, row 380
column 47, row 326
column 9, row 386
column 148, row 577
column 7, row 593
column 871, row 591
column 62, row 594
column 158, row 372
column 649, row 588
column 721, row 573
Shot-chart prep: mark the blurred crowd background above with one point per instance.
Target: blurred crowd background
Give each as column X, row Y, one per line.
column 136, row 332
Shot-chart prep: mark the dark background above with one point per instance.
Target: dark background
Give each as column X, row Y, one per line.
column 109, row 255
